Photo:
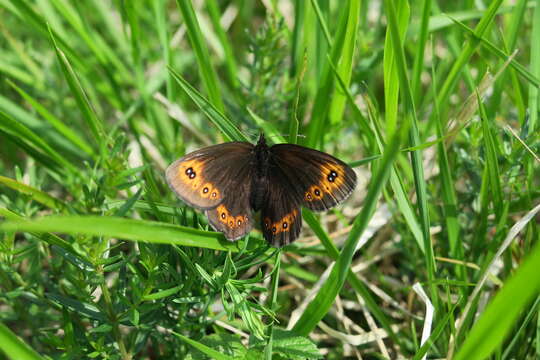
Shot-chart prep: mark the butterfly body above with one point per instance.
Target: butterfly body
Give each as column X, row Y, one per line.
column 234, row 180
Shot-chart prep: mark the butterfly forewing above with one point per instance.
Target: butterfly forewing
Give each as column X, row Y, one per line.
column 202, row 178
column 321, row 180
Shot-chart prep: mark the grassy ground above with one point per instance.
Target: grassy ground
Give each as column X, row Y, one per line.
column 434, row 103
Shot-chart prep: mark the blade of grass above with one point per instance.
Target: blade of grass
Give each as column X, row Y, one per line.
column 294, row 123
column 203, row 348
column 31, row 139
column 230, row 61
column 83, row 102
column 130, row 229
column 491, row 161
column 352, row 278
column 31, row 17
column 500, row 315
column 35, row 194
column 450, row 209
column 52, row 239
column 297, row 45
column 395, row 182
column 322, row 302
column 321, row 105
column 198, row 44
column 225, row 125
column 419, row 54
column 54, row 121
column 466, row 53
column 416, row 156
column 104, row 54
column 533, row 79
column 272, row 300
column 518, row 293
column 345, row 65
column 534, row 98
column 391, row 86
column 14, row 347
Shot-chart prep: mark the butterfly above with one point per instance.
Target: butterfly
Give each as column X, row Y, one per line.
column 232, row 181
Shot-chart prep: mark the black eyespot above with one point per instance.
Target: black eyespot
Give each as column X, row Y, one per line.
column 274, row 229
column 231, row 223
column 192, row 175
column 239, row 222
column 223, row 216
column 317, row 192
column 331, row 178
column 189, row 171
column 285, row 225
column 333, row 174
column 214, row 194
column 205, row 190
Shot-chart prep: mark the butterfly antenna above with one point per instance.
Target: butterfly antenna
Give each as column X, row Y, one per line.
column 287, row 135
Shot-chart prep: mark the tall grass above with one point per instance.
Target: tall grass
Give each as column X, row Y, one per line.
column 435, row 104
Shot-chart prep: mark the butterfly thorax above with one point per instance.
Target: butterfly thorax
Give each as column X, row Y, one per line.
column 259, row 185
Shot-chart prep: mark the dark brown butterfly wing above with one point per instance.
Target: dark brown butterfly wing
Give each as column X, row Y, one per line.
column 202, row 178
column 319, row 179
column 281, row 217
column 233, row 217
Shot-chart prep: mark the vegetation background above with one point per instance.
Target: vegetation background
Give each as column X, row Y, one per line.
column 435, row 103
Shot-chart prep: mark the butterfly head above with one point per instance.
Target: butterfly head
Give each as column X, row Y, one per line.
column 262, row 141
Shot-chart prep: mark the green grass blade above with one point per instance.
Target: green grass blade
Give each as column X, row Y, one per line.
column 322, row 22
column 51, row 239
column 467, row 51
column 391, row 76
column 66, row 131
column 534, row 79
column 416, row 156
column 20, row 131
column 491, row 161
column 230, row 61
column 99, row 47
column 15, row 348
column 198, row 43
column 225, row 125
column 450, row 205
column 129, row 229
column 203, row 348
column 324, row 299
column 32, row 17
column 499, row 317
column 395, row 182
column 35, row 194
column 419, row 54
column 321, row 105
column 83, row 102
column 345, row 65
column 534, row 97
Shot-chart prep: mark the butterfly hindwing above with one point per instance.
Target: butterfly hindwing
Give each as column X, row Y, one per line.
column 321, row 180
column 281, row 217
column 201, row 179
column 233, row 216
